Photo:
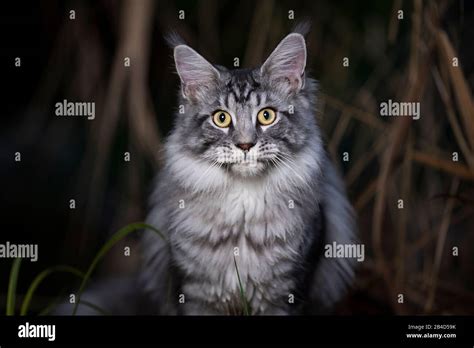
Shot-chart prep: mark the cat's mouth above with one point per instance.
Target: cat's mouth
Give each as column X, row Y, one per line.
column 248, row 168
column 246, row 163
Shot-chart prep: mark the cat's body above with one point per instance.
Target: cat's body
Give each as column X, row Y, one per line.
column 246, row 190
column 267, row 219
column 273, row 250
column 250, row 219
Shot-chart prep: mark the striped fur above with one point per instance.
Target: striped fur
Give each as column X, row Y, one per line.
column 276, row 203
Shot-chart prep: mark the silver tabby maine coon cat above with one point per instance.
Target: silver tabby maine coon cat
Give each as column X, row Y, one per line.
column 246, row 176
column 246, row 183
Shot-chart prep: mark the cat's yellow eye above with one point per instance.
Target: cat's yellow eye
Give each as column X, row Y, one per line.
column 266, row 116
column 221, row 119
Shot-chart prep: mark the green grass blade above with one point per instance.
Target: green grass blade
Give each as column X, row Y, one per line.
column 11, row 295
column 40, row 277
column 242, row 291
column 122, row 233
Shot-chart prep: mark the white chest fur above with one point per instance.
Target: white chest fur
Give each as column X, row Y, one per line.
column 251, row 223
column 218, row 218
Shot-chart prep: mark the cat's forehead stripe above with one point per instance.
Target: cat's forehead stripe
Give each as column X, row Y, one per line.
column 241, row 88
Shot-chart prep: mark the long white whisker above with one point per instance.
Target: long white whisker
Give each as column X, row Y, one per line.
column 292, row 162
column 212, row 165
column 285, row 159
column 297, row 184
column 292, row 180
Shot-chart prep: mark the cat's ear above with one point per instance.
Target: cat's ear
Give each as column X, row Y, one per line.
column 197, row 75
column 287, row 62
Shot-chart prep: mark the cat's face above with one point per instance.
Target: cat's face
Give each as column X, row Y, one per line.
column 245, row 121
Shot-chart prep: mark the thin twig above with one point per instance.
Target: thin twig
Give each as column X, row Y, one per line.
column 443, row 230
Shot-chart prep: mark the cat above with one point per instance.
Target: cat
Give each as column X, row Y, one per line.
column 247, row 197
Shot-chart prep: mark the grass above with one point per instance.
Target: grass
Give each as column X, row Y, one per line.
column 11, row 295
column 40, row 277
column 243, row 297
column 15, row 270
column 122, row 233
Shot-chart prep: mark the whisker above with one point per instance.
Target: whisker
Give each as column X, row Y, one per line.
column 212, row 165
column 291, row 179
column 284, row 161
column 292, row 162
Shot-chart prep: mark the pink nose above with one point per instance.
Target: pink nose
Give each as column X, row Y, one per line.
column 246, row 146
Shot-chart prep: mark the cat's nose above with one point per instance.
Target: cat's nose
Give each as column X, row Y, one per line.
column 245, row 146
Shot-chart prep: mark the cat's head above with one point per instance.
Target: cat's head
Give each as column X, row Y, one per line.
column 246, row 121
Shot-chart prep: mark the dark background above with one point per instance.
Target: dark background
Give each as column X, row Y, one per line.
column 408, row 251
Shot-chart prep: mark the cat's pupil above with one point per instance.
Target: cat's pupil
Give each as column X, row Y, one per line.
column 266, row 115
column 222, row 117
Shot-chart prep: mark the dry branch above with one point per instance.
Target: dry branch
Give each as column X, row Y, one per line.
column 446, row 166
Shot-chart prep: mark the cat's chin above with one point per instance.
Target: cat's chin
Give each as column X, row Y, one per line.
column 247, row 169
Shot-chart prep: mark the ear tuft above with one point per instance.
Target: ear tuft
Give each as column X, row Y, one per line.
column 173, row 39
column 287, row 63
column 303, row 27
